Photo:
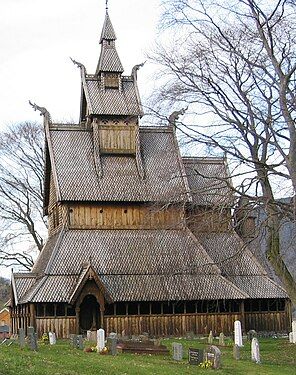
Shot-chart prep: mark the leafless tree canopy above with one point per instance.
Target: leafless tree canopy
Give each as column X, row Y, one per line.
column 21, row 194
column 233, row 64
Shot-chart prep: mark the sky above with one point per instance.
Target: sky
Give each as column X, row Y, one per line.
column 38, row 37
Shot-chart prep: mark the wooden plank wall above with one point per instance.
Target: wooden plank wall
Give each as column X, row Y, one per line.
column 172, row 325
column 268, row 321
column 63, row 326
column 124, row 217
column 117, row 139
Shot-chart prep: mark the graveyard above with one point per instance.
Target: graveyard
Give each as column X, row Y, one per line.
column 278, row 356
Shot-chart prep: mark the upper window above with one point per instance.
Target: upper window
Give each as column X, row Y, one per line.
column 111, row 80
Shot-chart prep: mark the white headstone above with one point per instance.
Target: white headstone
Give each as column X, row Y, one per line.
column 255, row 350
column 100, row 340
column 291, row 338
column 52, row 338
column 238, row 340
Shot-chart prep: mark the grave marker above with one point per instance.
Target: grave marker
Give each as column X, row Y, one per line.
column 21, row 337
column 30, row 330
column 32, row 341
column 255, row 350
column 112, row 345
column 213, row 355
column 79, row 342
column 100, row 340
column 222, row 339
column 52, row 338
column 210, row 338
column 236, row 352
column 238, row 340
column 177, row 351
column 195, row 356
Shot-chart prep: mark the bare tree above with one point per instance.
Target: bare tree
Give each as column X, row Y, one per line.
column 21, row 194
column 233, row 65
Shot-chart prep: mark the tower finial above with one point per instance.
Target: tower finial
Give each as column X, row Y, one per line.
column 107, row 6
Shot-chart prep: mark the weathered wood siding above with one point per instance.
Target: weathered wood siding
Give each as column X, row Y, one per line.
column 172, row 325
column 63, row 326
column 124, row 217
column 116, row 139
column 268, row 321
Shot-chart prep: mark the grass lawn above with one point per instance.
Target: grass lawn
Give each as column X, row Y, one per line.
column 277, row 355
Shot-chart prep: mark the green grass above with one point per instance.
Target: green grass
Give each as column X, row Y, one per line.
column 277, row 355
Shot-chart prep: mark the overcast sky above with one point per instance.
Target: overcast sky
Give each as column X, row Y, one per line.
column 37, row 37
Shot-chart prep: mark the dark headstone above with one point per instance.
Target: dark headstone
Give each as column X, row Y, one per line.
column 236, row 352
column 195, row 356
column 30, row 330
column 177, row 351
column 32, row 341
column 79, row 342
column 112, row 345
column 21, row 337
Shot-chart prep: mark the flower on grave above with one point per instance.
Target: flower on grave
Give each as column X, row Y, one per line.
column 104, row 350
column 206, row 364
column 45, row 338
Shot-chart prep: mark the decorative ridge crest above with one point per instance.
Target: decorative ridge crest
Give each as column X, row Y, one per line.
column 175, row 116
column 43, row 111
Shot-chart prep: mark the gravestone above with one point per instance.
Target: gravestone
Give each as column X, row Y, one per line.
column 79, row 342
column 195, row 356
column 213, row 354
column 252, row 334
column 91, row 336
column 222, row 339
column 100, row 340
column 21, row 337
column 112, row 345
column 32, row 341
column 255, row 350
column 177, row 351
column 238, row 333
column 52, row 338
column 30, row 330
column 292, row 335
column 210, row 338
column 236, row 352
column 73, row 340
column 291, row 338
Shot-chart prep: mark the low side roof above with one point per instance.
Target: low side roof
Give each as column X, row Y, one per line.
column 208, row 180
column 71, row 153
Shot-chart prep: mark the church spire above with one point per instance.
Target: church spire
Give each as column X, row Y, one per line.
column 109, row 61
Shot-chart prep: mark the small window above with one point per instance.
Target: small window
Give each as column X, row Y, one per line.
column 71, row 311
column 133, row 308
column 121, row 308
column 167, row 308
column 264, row 305
column 49, row 309
column 281, row 305
column 145, row 308
column 111, row 80
column 202, row 306
column 179, row 308
column 39, row 310
column 190, row 307
column 109, row 309
column 213, row 306
column 155, row 308
column 60, row 309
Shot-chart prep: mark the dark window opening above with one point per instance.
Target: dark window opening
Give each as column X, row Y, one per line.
column 179, row 308
column 49, row 309
column 155, row 307
column 71, row 311
column 39, row 310
column 133, row 308
column 213, row 306
column 121, row 308
column 281, row 305
column 109, row 309
column 60, row 309
column 223, row 306
column 145, row 308
column 167, row 308
column 190, row 307
column 201, row 307
column 264, row 305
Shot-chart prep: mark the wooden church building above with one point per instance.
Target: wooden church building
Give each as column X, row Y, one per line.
column 140, row 239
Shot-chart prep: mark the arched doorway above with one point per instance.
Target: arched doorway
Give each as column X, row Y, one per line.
column 89, row 314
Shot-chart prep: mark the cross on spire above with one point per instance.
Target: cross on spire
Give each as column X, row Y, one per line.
column 106, row 6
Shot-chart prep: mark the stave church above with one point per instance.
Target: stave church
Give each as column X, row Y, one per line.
column 140, row 238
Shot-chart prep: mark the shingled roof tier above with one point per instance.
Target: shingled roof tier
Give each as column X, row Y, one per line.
column 209, row 181
column 108, row 32
column 71, row 153
column 109, row 102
